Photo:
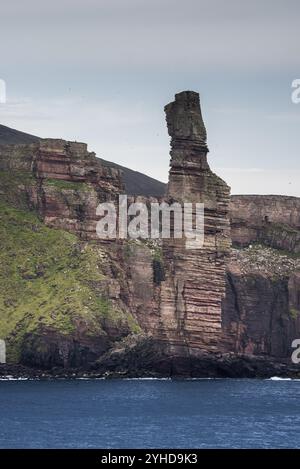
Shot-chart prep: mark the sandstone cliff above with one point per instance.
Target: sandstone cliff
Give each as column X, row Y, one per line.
column 272, row 220
column 135, row 183
column 69, row 299
column 261, row 311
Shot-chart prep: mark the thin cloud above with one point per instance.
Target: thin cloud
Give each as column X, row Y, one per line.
column 165, row 34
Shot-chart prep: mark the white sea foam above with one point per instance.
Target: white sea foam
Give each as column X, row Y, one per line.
column 278, row 378
column 147, row 379
column 86, row 378
column 200, row 379
column 13, row 378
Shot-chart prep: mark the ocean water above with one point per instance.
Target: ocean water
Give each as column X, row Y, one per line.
column 221, row 413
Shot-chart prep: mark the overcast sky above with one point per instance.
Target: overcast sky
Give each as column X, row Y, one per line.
column 100, row 71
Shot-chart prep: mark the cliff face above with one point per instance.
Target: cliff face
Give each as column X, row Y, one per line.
column 261, row 311
column 60, row 301
column 261, row 308
column 61, row 180
column 68, row 298
column 59, row 305
column 272, row 220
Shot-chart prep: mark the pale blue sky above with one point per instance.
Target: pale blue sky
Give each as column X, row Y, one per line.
column 100, row 71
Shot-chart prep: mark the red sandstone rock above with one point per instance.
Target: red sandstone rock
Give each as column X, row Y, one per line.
column 192, row 293
column 179, row 297
column 269, row 219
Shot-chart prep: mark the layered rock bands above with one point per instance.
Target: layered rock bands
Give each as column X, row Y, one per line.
column 194, row 287
column 188, row 300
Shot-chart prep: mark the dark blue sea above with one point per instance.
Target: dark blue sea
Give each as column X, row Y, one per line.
column 221, row 413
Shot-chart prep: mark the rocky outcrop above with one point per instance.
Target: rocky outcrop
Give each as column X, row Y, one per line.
column 61, row 180
column 135, row 183
column 194, row 285
column 73, row 207
column 143, row 356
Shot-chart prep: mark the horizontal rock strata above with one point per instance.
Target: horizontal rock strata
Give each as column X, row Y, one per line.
column 62, row 180
column 192, row 292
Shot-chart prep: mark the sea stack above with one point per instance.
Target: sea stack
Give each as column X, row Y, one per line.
column 194, row 285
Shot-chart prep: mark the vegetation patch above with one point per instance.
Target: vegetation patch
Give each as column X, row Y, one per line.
column 67, row 185
column 12, row 187
column 294, row 313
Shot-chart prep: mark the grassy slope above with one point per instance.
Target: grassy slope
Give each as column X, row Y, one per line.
column 46, row 280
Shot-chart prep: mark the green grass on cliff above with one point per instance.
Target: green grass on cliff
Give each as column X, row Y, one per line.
column 12, row 186
column 69, row 185
column 48, row 280
column 294, row 313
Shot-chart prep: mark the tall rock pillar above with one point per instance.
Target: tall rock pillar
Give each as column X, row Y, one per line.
column 194, row 285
